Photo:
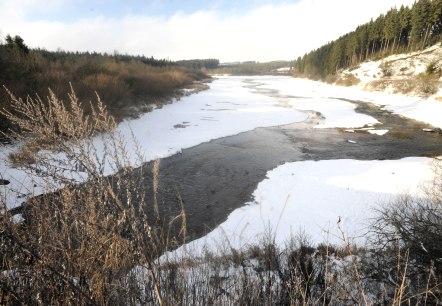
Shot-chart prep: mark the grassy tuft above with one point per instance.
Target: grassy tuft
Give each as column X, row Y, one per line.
column 348, row 79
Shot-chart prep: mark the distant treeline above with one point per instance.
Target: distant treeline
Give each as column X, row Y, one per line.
column 122, row 81
column 398, row 31
column 253, row 68
column 210, row 63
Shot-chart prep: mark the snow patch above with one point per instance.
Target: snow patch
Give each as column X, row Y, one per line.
column 378, row 132
column 325, row 199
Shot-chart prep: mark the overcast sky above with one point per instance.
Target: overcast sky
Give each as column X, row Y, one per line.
column 230, row 30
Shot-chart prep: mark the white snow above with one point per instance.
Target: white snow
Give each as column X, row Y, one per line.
column 401, row 73
column 312, row 197
column 227, row 108
column 303, row 195
column 378, row 132
column 399, row 66
column 425, row 110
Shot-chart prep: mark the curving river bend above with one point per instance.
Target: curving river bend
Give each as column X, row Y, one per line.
column 214, row 178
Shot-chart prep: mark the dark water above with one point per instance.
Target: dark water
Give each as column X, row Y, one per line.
column 216, row 177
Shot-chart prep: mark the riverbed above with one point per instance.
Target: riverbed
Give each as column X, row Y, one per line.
column 217, row 177
column 220, row 147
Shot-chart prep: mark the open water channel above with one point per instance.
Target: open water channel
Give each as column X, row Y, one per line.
column 214, row 178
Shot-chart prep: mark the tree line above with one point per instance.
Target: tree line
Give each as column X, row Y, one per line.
column 400, row 30
column 253, row 68
column 209, row 63
column 123, row 81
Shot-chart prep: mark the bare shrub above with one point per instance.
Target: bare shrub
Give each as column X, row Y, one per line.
column 330, row 78
column 348, row 79
column 125, row 83
column 404, row 86
column 112, row 88
column 408, row 232
column 80, row 239
column 427, row 85
column 424, row 85
column 432, row 68
column 379, row 85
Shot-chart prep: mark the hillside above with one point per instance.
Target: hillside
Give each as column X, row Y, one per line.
column 415, row 74
column 128, row 85
column 400, row 30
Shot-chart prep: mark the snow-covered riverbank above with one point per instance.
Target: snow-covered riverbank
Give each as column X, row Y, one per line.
column 329, row 201
column 302, row 195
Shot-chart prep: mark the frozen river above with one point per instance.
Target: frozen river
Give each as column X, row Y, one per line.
column 258, row 153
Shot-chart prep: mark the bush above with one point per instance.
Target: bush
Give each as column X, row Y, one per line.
column 408, row 233
column 427, row 85
column 79, row 244
column 330, row 78
column 404, row 86
column 386, row 69
column 125, row 83
column 432, row 68
column 348, row 79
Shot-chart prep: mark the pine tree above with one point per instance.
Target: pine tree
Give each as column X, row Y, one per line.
column 335, row 61
column 362, row 36
column 420, row 24
column 400, row 30
column 351, row 49
column 405, row 25
column 436, row 17
column 391, row 28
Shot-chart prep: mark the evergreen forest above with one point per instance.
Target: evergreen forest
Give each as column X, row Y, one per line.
column 402, row 30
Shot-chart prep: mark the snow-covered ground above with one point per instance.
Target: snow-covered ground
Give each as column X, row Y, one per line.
column 302, row 195
column 426, row 110
column 226, row 109
column 392, row 73
column 329, row 201
column 400, row 66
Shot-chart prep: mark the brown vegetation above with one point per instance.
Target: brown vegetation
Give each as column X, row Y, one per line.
column 423, row 85
column 77, row 245
column 127, row 84
column 348, row 79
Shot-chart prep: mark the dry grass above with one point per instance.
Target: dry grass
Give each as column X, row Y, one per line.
column 348, row 79
column 423, row 85
column 126, row 85
column 77, row 245
column 428, row 85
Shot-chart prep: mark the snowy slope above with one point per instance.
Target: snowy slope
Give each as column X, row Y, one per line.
column 401, row 73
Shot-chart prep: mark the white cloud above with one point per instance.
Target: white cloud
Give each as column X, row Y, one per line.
column 268, row 32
